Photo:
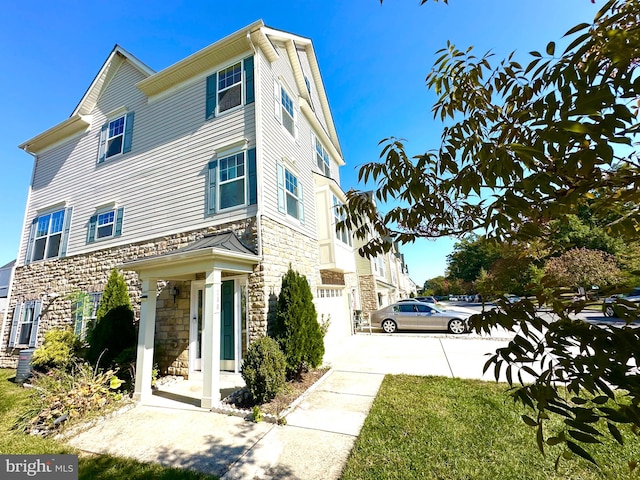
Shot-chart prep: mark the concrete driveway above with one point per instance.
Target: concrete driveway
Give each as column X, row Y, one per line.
column 320, row 432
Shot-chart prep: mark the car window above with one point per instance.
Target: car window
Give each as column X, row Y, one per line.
column 424, row 309
column 403, row 308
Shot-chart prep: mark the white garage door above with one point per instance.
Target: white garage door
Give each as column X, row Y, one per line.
column 332, row 303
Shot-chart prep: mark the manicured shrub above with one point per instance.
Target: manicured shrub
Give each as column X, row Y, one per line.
column 115, row 294
column 264, row 369
column 296, row 327
column 113, row 339
column 57, row 350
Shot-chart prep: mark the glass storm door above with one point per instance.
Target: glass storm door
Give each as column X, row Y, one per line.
column 227, row 326
column 195, row 328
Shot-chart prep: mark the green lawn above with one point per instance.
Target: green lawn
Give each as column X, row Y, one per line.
column 441, row 428
column 99, row 467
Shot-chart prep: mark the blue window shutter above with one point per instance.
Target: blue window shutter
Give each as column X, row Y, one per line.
column 32, row 236
column 36, row 324
column 102, row 148
column 281, row 203
column 119, row 217
column 300, row 203
column 91, row 231
column 128, row 133
column 212, row 95
column 213, row 172
column 13, row 335
column 253, row 179
column 65, row 232
column 249, row 85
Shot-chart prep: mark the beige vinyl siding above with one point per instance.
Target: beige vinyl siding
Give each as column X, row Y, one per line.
column 161, row 183
column 278, row 143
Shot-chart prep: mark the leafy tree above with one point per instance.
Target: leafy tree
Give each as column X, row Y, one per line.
column 570, row 231
column 296, row 327
column 580, row 267
column 527, row 144
column 471, row 255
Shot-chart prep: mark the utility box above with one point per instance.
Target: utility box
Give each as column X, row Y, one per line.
column 24, row 365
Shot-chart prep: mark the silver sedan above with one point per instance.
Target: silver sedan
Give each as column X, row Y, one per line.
column 419, row 316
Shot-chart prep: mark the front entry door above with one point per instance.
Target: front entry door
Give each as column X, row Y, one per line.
column 227, row 325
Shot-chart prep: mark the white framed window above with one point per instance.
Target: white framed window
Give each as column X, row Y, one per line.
column 84, row 313
column 230, row 87
column 116, row 136
column 232, row 181
column 290, row 196
column 106, row 223
column 285, row 109
column 379, row 262
column 344, row 235
column 323, row 160
column 48, row 235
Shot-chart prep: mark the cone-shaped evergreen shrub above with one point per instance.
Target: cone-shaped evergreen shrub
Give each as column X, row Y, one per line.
column 114, row 336
column 296, row 327
column 264, row 369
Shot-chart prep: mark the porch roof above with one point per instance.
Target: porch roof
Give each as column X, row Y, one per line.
column 224, row 251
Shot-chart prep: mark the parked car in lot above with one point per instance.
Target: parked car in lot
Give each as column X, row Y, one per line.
column 419, row 316
column 609, row 303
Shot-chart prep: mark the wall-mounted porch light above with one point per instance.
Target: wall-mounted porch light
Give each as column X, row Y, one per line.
column 174, row 291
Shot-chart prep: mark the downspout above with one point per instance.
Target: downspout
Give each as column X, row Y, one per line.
column 259, row 153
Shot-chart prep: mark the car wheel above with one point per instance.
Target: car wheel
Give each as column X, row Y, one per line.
column 608, row 311
column 457, row 326
column 389, row 326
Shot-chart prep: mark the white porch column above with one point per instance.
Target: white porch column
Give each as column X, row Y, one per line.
column 146, row 333
column 211, row 339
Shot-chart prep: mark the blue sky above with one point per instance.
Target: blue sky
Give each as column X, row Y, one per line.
column 373, row 59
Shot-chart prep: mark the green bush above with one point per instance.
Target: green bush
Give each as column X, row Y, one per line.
column 57, row 350
column 296, row 327
column 115, row 294
column 264, row 369
column 113, row 340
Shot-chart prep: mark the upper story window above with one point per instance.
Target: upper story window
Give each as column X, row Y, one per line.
column 344, row 235
column 116, row 137
column 229, row 87
column 285, row 110
column 379, row 265
column 48, row 236
column 323, row 160
column 232, row 181
column 290, row 198
column 107, row 223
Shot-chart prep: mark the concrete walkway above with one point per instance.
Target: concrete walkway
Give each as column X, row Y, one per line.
column 320, row 432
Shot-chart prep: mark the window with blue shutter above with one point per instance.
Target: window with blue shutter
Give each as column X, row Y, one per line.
column 232, row 181
column 230, row 87
column 290, row 196
column 105, row 224
column 25, row 324
column 116, row 137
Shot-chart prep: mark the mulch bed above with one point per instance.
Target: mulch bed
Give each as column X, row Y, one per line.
column 293, row 389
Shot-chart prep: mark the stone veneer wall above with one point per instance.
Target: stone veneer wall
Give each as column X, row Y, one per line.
column 281, row 246
column 89, row 273
column 368, row 295
column 171, row 345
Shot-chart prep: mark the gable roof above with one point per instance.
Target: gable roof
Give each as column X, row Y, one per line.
column 254, row 35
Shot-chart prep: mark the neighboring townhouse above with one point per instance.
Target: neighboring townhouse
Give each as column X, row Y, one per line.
column 203, row 183
column 6, row 273
column 383, row 279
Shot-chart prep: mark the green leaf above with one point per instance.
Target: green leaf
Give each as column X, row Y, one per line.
column 551, row 48
column 529, row 421
column 578, row 450
column 583, row 437
column 615, row 433
column 577, row 28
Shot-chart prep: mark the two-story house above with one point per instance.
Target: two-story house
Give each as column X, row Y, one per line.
column 202, row 182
